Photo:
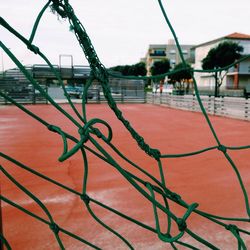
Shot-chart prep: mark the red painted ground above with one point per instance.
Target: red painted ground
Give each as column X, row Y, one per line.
column 206, row 178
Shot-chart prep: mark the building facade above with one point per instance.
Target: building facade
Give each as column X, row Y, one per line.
column 158, row 52
column 238, row 77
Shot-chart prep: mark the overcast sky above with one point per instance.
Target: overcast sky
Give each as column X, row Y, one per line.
column 120, row 30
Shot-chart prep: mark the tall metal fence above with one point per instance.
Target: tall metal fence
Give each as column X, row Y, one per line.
column 233, row 107
column 22, row 92
column 122, row 91
column 95, row 95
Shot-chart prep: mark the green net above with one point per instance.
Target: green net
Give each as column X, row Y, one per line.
column 88, row 132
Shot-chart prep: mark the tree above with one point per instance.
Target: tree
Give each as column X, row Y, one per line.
column 160, row 67
column 181, row 77
column 138, row 69
column 219, row 57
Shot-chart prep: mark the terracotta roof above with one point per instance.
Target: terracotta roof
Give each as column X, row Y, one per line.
column 236, row 35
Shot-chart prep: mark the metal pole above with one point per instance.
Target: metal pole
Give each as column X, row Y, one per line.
column 216, row 84
column 71, row 63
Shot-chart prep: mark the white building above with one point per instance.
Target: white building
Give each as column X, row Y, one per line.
column 238, row 77
column 159, row 52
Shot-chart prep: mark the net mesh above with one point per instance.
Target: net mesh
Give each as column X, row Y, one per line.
column 150, row 187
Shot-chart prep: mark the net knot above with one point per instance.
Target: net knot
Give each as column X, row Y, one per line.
column 175, row 197
column 147, row 184
column 85, row 198
column 222, row 148
column 33, row 48
column 146, row 148
column 55, row 129
column 84, row 133
column 232, row 228
column 81, row 131
column 97, row 132
column 182, row 225
column 54, row 227
column 155, row 153
column 140, row 140
column 51, row 127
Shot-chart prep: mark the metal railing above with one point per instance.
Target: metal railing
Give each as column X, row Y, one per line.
column 233, row 107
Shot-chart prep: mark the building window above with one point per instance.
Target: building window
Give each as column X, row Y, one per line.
column 159, row 52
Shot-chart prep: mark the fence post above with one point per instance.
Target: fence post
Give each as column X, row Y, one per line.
column 222, row 106
column 212, row 104
column 209, row 104
column 193, row 102
column 246, row 109
column 215, row 105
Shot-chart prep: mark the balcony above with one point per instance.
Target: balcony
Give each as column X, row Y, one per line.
column 158, row 54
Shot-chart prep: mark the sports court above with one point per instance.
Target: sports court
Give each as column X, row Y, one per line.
column 117, row 176
column 206, row 178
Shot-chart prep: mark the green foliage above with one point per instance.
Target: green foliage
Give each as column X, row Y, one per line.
column 138, row 69
column 160, row 67
column 183, row 73
column 224, row 54
column 221, row 56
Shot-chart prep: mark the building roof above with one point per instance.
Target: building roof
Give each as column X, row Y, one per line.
column 157, row 46
column 235, row 35
column 168, row 46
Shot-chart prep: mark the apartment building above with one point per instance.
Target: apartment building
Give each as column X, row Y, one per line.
column 238, row 77
column 158, row 52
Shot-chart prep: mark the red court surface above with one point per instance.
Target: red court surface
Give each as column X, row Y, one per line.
column 206, row 178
